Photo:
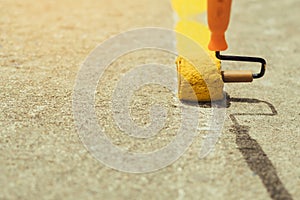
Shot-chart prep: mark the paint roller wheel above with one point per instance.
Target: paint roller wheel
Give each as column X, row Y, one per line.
column 199, row 83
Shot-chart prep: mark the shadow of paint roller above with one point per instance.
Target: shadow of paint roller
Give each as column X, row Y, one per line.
column 206, row 79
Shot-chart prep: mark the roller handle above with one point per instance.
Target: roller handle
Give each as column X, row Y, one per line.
column 218, row 14
column 237, row 76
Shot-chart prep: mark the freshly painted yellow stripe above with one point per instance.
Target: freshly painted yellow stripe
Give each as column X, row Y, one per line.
column 199, row 76
column 188, row 7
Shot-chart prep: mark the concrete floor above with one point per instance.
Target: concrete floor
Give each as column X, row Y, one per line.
column 42, row 45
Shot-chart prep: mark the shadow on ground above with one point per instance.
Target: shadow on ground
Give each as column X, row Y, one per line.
column 254, row 155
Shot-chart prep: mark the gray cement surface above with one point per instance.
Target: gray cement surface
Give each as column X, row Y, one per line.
column 42, row 45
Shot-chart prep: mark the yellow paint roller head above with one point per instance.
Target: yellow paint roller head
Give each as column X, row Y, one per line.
column 202, row 82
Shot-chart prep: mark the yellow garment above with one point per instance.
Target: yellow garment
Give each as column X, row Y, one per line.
column 199, row 77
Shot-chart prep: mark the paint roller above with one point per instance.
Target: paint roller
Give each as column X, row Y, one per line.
column 206, row 79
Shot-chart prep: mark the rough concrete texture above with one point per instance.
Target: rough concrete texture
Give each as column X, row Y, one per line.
column 43, row 43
